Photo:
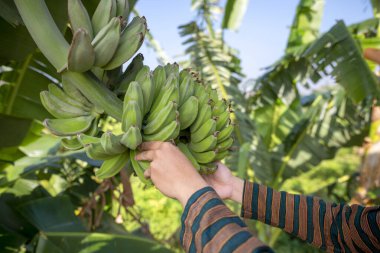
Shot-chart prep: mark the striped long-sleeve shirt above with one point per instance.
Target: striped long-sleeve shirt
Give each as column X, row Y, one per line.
column 209, row 226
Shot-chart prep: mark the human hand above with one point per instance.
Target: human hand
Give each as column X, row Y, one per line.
column 225, row 184
column 170, row 170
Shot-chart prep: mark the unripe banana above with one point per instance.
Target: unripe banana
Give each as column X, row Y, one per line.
column 209, row 168
column 59, row 108
column 61, row 95
column 220, row 155
column 131, row 116
column 203, row 114
column 106, row 42
column 224, row 145
column 214, row 95
column 134, row 92
column 130, row 41
column 79, row 17
column 112, row 166
column 74, row 93
column 85, row 139
column 204, row 157
column 105, row 10
column 159, row 79
column 172, row 69
column 93, row 130
column 188, row 112
column 111, row 144
column 122, row 9
column 130, row 73
column 147, row 87
column 222, row 120
column 207, row 144
column 96, row 152
column 139, row 170
column 185, row 150
column 164, row 117
column 71, row 143
column 171, row 131
column 65, row 127
column 132, row 138
column 225, row 133
column 220, row 106
column 81, row 55
column 186, row 89
column 206, row 129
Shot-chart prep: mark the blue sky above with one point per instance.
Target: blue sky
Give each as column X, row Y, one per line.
column 262, row 36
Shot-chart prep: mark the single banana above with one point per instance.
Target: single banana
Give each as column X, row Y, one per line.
column 185, row 150
column 71, row 143
column 131, row 116
column 105, row 10
column 139, row 170
column 112, row 166
column 225, row 133
column 134, row 92
column 203, row 115
column 224, row 145
column 130, row 73
column 164, row 117
column 106, row 42
column 111, row 144
column 188, row 112
column 147, row 87
column 132, row 138
column 85, row 139
column 222, row 120
column 171, row 131
column 214, row 95
column 65, row 127
column 206, row 129
column 159, row 80
column 220, row 106
column 93, row 130
column 220, row 155
column 186, row 89
column 61, row 95
column 130, row 41
column 170, row 82
column 204, row 157
column 122, row 9
column 172, row 69
column 71, row 91
column 79, row 18
column 95, row 151
column 59, row 108
column 207, row 144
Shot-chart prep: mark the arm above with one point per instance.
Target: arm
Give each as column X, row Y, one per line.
column 332, row 227
column 207, row 224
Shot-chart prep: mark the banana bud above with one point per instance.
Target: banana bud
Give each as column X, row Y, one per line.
column 106, row 42
column 81, row 53
column 79, row 18
column 105, row 10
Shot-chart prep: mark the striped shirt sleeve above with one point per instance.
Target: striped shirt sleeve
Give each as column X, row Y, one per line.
column 209, row 226
column 328, row 226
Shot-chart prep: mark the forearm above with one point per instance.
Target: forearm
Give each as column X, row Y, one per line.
column 325, row 225
column 209, row 226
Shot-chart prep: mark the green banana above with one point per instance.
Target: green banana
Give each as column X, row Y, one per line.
column 203, row 114
column 220, row 106
column 185, row 150
column 96, row 151
column 139, row 170
column 206, row 129
column 206, row 144
column 79, row 18
column 209, row 168
column 130, row 41
column 73, row 126
column 224, row 145
column 186, row 89
column 93, row 130
column 134, row 92
column 59, row 108
column 81, row 55
column 112, row 166
column 188, row 112
column 214, row 95
column 106, row 42
column 221, row 155
column 130, row 73
column 105, row 10
column 61, row 95
column 172, row 69
column 111, row 144
column 225, row 133
column 159, row 79
column 169, row 82
column 71, row 143
column 131, row 116
column 85, row 139
column 222, row 120
column 204, row 157
column 131, row 138
column 122, row 9
column 74, row 93
column 171, row 131
column 147, row 87
column 165, row 116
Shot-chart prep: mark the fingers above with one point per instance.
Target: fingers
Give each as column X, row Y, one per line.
column 147, row 173
column 372, row 54
column 145, row 156
column 150, row 145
